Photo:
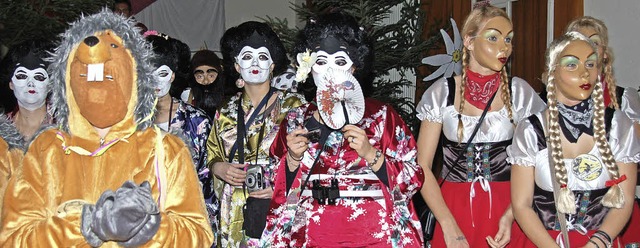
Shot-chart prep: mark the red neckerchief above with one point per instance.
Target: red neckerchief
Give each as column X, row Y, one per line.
column 605, row 92
column 479, row 89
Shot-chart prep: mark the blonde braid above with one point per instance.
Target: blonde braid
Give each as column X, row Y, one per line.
column 566, row 198
column 463, row 84
column 506, row 93
column 614, row 198
column 610, row 79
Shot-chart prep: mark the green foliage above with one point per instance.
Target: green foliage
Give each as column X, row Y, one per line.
column 396, row 45
column 22, row 20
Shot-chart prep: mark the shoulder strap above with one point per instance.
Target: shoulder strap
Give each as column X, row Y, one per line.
column 473, row 135
column 537, row 127
column 451, row 85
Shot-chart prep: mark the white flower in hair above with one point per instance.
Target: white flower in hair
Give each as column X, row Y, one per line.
column 450, row 62
column 305, row 61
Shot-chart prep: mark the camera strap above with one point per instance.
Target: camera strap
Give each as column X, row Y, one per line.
column 475, row 131
column 315, row 162
column 242, row 127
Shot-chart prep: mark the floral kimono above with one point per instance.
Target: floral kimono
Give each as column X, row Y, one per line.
column 222, row 138
column 374, row 208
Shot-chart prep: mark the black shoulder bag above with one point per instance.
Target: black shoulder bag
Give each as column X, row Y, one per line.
column 426, row 216
column 254, row 211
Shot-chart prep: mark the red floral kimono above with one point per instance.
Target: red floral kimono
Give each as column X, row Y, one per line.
column 374, row 210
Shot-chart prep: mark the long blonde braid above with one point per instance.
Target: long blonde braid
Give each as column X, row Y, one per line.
column 506, row 93
column 610, row 79
column 566, row 199
column 463, row 84
column 614, row 198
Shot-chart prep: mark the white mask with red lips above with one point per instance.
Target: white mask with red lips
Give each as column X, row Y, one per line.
column 254, row 64
column 163, row 76
column 30, row 87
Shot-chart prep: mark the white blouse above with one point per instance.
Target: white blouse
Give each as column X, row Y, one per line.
column 497, row 126
column 624, row 144
column 631, row 104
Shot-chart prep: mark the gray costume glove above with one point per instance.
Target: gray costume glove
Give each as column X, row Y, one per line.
column 129, row 216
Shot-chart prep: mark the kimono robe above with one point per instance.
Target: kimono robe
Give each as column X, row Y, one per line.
column 223, row 136
column 383, row 217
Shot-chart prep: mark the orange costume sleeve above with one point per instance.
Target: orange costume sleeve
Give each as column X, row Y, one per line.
column 39, row 205
column 10, row 159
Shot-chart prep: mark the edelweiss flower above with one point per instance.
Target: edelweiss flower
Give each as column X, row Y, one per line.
column 450, row 62
column 305, row 61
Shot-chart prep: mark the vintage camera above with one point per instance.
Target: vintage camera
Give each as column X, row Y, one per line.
column 255, row 178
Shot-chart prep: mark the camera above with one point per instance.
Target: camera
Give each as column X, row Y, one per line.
column 313, row 135
column 255, row 178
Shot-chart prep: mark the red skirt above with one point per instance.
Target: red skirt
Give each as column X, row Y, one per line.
column 631, row 234
column 485, row 219
column 519, row 239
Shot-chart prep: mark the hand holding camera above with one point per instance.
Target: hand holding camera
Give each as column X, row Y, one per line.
column 297, row 143
column 233, row 174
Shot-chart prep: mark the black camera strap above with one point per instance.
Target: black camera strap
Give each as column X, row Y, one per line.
column 475, row 131
column 242, row 127
column 315, row 162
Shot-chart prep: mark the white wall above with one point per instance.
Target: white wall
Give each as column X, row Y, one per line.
column 239, row 11
column 623, row 22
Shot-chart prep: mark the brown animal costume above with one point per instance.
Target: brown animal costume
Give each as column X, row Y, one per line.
column 106, row 175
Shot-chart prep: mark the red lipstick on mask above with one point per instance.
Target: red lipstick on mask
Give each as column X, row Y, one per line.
column 503, row 60
column 585, row 86
column 255, row 71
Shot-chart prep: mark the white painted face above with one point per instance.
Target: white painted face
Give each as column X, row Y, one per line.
column 30, row 87
column 255, row 64
column 164, row 76
column 339, row 60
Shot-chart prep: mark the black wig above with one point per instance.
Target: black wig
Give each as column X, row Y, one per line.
column 235, row 38
column 345, row 29
column 39, row 49
column 174, row 54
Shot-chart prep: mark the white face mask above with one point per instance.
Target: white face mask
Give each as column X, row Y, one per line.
column 163, row 76
column 255, row 64
column 30, row 87
column 339, row 61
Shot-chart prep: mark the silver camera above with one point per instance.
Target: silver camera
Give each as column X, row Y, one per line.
column 255, row 178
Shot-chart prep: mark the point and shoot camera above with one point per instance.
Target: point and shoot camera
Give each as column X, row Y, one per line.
column 255, row 178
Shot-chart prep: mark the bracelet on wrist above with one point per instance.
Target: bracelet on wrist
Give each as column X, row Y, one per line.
column 594, row 243
column 604, row 235
column 600, row 239
column 376, row 158
column 293, row 158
